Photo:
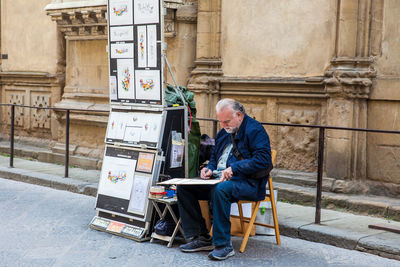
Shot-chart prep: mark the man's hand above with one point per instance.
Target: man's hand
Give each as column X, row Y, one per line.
column 226, row 174
column 205, row 173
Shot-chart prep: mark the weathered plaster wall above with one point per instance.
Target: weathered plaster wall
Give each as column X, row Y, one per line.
column 277, row 38
column 28, row 37
column 384, row 107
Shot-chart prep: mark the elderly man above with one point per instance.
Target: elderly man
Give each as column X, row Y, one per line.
column 241, row 160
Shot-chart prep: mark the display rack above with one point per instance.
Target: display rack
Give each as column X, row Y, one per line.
column 141, row 127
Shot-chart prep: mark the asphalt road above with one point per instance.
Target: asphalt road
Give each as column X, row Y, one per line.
column 41, row 226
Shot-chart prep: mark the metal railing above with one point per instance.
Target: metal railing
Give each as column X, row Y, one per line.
column 321, row 141
column 321, row 147
column 67, row 126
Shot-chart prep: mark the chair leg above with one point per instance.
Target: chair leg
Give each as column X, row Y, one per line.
column 241, row 216
column 274, row 214
column 249, row 226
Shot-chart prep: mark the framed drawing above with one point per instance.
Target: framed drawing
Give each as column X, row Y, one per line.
column 148, row 85
column 125, row 71
column 120, row 12
column 122, row 50
column 122, row 33
column 146, row 11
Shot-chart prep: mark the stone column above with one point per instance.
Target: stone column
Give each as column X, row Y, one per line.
column 347, row 83
column 205, row 77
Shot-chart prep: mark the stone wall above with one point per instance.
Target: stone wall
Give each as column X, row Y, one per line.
column 328, row 62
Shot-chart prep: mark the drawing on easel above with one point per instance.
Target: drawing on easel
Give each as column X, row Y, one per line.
column 123, row 33
column 132, row 133
column 148, row 85
column 142, row 46
column 125, row 79
column 145, row 162
column 146, row 11
column 140, row 191
column 124, row 50
column 116, row 126
column 117, row 177
column 151, row 128
column 152, row 46
column 113, row 88
column 120, row 12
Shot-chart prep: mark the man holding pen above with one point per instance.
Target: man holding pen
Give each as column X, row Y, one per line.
column 241, row 160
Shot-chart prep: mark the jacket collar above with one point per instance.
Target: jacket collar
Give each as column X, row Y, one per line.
column 240, row 133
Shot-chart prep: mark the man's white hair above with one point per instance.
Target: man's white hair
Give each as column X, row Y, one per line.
column 231, row 104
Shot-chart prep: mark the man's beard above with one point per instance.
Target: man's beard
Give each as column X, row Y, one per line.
column 231, row 130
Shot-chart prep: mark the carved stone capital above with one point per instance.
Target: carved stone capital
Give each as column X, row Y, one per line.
column 349, row 77
column 81, row 21
column 206, row 76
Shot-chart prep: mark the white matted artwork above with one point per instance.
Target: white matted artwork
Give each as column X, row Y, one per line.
column 147, row 84
column 125, row 71
column 117, row 177
column 152, row 46
column 113, row 88
column 152, row 128
column 146, row 11
column 140, row 192
column 116, row 125
column 132, row 133
column 124, row 50
column 123, row 33
column 121, row 12
column 142, row 46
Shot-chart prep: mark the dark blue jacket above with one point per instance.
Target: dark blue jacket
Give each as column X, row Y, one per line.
column 253, row 143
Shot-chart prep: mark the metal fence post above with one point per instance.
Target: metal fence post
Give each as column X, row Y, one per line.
column 66, row 143
column 12, row 117
column 320, row 172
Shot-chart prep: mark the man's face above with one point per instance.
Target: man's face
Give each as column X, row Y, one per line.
column 229, row 121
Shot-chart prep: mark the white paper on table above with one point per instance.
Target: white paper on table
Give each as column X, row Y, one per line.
column 123, row 33
column 140, row 191
column 113, row 87
column 246, row 209
column 117, row 177
column 122, row 50
column 125, row 70
column 148, row 84
column 121, row 12
column 152, row 46
column 142, row 46
column 146, row 11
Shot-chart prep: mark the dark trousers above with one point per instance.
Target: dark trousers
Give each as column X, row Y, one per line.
column 193, row 224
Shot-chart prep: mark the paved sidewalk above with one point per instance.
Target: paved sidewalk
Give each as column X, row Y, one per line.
column 340, row 229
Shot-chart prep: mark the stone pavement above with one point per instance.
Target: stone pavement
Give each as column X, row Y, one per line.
column 337, row 228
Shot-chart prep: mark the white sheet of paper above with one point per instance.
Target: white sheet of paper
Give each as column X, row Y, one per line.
column 123, row 33
column 116, row 125
column 125, row 70
column 146, row 11
column 148, row 84
column 121, row 12
column 132, row 134
column 117, row 177
column 140, row 192
column 113, row 87
column 122, row 50
column 151, row 46
column 151, row 128
column 190, row 181
column 142, row 46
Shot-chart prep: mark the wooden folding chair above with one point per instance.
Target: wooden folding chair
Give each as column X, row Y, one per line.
column 255, row 206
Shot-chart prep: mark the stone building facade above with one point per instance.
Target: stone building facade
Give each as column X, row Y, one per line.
column 327, row 62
